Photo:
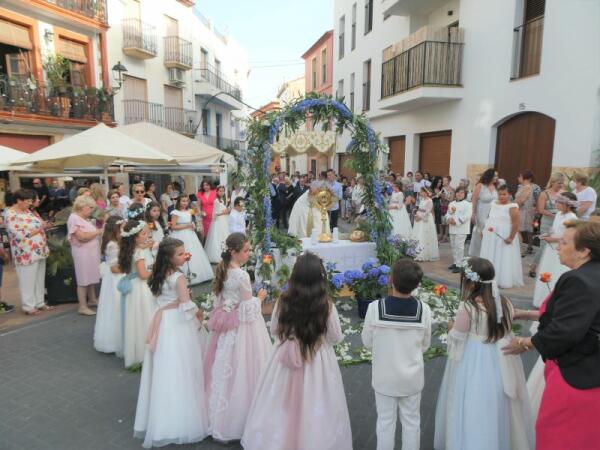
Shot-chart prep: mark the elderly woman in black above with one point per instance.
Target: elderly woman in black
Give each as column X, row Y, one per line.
column 568, row 340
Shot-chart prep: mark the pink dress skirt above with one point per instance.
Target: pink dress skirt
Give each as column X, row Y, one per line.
column 86, row 255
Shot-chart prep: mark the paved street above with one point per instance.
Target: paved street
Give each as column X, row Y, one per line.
column 59, row 393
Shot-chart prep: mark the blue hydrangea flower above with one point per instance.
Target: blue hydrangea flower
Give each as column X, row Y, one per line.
column 337, row 280
column 382, row 280
column 367, row 266
column 374, row 273
column 384, row 269
column 330, row 266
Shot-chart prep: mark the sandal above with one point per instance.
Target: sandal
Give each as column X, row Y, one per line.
column 33, row 312
column 45, row 307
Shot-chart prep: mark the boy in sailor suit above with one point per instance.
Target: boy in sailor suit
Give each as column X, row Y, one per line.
column 458, row 218
column 398, row 330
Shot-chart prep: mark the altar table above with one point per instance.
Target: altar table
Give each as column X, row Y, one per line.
column 346, row 255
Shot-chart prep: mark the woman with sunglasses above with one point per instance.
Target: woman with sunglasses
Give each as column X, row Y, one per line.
column 139, row 193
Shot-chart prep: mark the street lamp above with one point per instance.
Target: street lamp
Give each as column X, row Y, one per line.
column 117, row 71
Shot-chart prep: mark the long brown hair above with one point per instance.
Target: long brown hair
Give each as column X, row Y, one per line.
column 127, row 247
column 163, row 265
column 234, row 243
column 304, row 307
column 112, row 232
column 470, row 290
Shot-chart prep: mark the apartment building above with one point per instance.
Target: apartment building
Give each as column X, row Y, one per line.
column 54, row 74
column 455, row 87
column 182, row 72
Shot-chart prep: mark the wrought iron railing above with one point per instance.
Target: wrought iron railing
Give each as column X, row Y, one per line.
column 428, row 63
column 527, row 48
column 93, row 9
column 220, row 142
column 209, row 74
column 178, row 51
column 140, row 35
column 176, row 119
column 22, row 95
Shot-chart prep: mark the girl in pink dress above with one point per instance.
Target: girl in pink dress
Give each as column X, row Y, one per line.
column 239, row 347
column 206, row 198
column 300, row 403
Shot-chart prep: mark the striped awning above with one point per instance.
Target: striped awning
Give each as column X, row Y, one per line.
column 16, row 35
column 73, row 51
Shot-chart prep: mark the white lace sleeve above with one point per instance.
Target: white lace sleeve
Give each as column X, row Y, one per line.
column 186, row 305
column 249, row 309
column 457, row 338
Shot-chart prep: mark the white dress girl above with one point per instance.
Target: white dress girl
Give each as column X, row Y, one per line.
column 171, row 407
column 238, row 352
column 400, row 220
column 506, row 258
column 139, row 308
column 425, row 233
column 483, row 401
column 107, row 332
column 217, row 233
column 199, row 265
column 550, row 261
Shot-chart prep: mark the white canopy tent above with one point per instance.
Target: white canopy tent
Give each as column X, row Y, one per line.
column 185, row 150
column 9, row 156
column 97, row 146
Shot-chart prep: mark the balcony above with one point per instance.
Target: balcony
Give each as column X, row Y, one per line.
column 220, row 142
column 428, row 73
column 411, row 7
column 210, row 82
column 181, row 120
column 139, row 39
column 92, row 9
column 178, row 53
column 527, row 49
column 25, row 100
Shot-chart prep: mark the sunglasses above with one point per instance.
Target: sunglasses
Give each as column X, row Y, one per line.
column 139, row 192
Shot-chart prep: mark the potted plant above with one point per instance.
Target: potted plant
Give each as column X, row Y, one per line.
column 103, row 99
column 57, row 68
column 60, row 272
column 368, row 284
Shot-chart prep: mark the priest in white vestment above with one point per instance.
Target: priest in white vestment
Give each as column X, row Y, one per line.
column 300, row 221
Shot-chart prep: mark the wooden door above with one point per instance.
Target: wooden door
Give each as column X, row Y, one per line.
column 396, row 157
column 525, row 142
column 343, row 169
column 434, row 154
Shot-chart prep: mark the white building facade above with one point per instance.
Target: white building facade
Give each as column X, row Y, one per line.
column 455, row 87
column 182, row 73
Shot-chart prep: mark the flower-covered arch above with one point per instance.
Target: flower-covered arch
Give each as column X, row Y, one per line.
column 363, row 149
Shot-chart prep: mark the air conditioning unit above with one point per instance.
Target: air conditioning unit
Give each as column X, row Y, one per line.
column 176, row 77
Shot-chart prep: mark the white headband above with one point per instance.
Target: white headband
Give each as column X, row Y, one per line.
column 135, row 230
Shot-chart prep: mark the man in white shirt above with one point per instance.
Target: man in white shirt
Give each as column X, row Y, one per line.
column 398, row 330
column 336, row 188
column 124, row 200
column 458, row 218
column 419, row 184
column 237, row 217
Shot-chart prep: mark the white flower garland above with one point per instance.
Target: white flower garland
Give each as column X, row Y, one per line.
column 134, row 230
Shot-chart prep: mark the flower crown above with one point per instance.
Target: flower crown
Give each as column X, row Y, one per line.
column 470, row 274
column 135, row 230
column 568, row 201
column 133, row 213
column 473, row 276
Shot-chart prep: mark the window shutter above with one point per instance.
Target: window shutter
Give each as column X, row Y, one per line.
column 534, row 9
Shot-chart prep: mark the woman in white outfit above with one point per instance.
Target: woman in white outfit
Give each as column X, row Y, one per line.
column 483, row 196
column 183, row 228
column 400, row 220
column 219, row 230
column 500, row 243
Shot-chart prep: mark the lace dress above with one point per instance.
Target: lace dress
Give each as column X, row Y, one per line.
column 400, row 220
column 484, row 204
column 107, row 331
column 300, row 405
column 424, row 231
column 199, row 266
column 238, row 351
column 218, row 232
column 483, row 401
column 171, row 407
column 506, row 258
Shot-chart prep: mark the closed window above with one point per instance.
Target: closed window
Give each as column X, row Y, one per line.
column 324, row 66
column 342, row 36
column 353, row 37
column 368, row 15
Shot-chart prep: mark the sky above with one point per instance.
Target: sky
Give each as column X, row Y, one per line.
column 275, row 34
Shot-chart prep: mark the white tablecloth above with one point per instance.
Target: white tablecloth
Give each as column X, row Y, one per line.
column 347, row 255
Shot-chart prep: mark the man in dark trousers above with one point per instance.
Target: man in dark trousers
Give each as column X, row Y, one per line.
column 275, row 207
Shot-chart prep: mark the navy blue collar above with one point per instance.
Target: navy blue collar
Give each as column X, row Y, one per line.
column 394, row 309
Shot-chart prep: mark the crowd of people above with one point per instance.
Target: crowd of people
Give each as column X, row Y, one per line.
column 282, row 388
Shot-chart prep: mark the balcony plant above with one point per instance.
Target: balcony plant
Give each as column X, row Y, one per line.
column 57, row 68
column 60, row 272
